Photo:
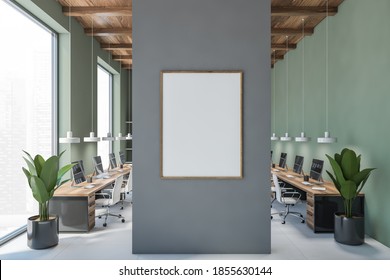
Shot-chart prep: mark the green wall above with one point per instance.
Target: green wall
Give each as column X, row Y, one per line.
column 50, row 12
column 359, row 98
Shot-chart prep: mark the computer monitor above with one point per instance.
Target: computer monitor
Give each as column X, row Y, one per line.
column 97, row 163
column 112, row 160
column 298, row 163
column 316, row 169
column 122, row 157
column 282, row 161
column 78, row 173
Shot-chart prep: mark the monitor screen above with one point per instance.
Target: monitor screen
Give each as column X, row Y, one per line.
column 282, row 161
column 97, row 162
column 77, row 173
column 298, row 164
column 112, row 159
column 122, row 157
column 316, row 169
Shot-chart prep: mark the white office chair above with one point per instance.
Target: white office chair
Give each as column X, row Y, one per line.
column 109, row 200
column 288, row 198
column 127, row 188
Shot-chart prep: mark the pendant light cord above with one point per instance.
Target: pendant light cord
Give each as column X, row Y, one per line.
column 92, row 105
column 287, row 83
column 70, row 68
column 303, row 74
column 326, row 65
column 274, row 84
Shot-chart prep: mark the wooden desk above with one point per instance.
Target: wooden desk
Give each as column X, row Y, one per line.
column 75, row 206
column 320, row 204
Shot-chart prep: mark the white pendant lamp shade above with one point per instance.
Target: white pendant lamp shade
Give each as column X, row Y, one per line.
column 69, row 139
column 92, row 138
column 302, row 138
column 274, row 137
column 108, row 137
column 285, row 138
column 129, row 136
column 120, row 137
column 326, row 139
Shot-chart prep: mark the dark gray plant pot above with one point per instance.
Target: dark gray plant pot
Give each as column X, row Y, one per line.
column 349, row 231
column 42, row 234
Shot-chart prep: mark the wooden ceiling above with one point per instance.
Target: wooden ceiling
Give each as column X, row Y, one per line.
column 288, row 17
column 110, row 22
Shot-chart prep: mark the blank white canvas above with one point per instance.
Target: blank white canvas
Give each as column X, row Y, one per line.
column 201, row 126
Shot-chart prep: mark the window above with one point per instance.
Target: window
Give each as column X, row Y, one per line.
column 27, row 110
column 104, row 93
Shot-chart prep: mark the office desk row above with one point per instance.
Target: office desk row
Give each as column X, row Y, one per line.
column 75, row 205
column 320, row 204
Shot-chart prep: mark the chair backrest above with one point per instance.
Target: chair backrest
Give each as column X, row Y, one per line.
column 116, row 192
column 278, row 191
column 129, row 184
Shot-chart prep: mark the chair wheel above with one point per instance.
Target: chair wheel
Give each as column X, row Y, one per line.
column 119, row 215
column 283, row 222
column 123, row 220
column 105, row 224
column 303, row 221
column 122, row 208
column 301, row 216
column 272, row 217
column 99, row 217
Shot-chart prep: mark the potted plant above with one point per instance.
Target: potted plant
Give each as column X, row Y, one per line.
column 349, row 181
column 44, row 177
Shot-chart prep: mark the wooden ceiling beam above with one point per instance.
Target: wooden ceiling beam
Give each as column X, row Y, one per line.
column 76, row 11
column 288, row 11
column 282, row 47
column 291, row 31
column 122, row 57
column 108, row 31
column 112, row 47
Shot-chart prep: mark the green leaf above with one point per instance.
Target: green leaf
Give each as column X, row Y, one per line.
column 348, row 189
column 337, row 185
column 349, row 164
column 28, row 175
column 60, row 155
column 29, row 156
column 365, row 180
column 336, row 170
column 39, row 162
column 337, row 158
column 361, row 176
column 38, row 189
column 49, row 173
column 63, row 171
column 31, row 167
column 359, row 158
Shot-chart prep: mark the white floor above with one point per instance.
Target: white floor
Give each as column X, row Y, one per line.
column 292, row 240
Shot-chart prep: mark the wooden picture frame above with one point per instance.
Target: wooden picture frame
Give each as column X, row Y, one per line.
column 201, row 124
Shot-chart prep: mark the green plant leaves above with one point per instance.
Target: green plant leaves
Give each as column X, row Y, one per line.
column 337, row 170
column 39, row 189
column 348, row 189
column 39, row 162
column 49, row 173
column 349, row 164
column 31, row 166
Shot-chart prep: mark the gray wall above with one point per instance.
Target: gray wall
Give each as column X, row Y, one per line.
column 201, row 216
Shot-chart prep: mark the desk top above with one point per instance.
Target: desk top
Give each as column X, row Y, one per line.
column 296, row 181
column 99, row 184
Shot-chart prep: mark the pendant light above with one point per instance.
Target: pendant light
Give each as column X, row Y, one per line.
column 69, row 139
column 274, row 137
column 92, row 137
column 327, row 139
column 120, row 137
column 286, row 137
column 303, row 137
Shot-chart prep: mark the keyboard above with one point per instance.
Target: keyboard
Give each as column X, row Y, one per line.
column 318, row 188
column 89, row 186
column 307, row 183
